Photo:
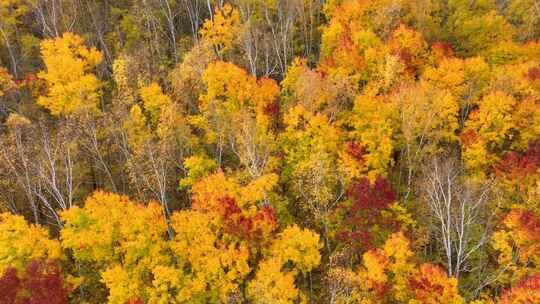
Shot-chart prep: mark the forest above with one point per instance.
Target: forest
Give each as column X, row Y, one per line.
column 270, row 151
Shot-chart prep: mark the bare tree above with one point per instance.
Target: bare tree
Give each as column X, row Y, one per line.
column 252, row 146
column 96, row 140
column 153, row 170
column 167, row 9
column 16, row 150
column 457, row 210
column 11, row 51
column 42, row 161
column 281, row 25
column 193, row 9
column 55, row 166
column 98, row 15
column 56, row 16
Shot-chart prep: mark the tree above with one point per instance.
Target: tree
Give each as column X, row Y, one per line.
column 372, row 122
column 22, row 243
column 271, row 285
column 389, row 275
column 11, row 12
column 120, row 240
column 525, row 17
column 227, row 225
column 431, row 285
column 517, row 246
column 210, row 266
column 312, row 90
column 410, row 46
column 476, row 27
column 41, row 282
column 234, row 98
column 197, row 167
column 517, row 174
column 42, row 157
column 274, row 281
column 461, row 214
column 342, row 54
column 71, row 85
column 372, row 215
column 264, row 151
column 311, row 146
column 494, row 125
column 156, row 145
column 154, row 101
column 525, row 291
column 428, row 122
column 6, row 82
column 466, row 79
column 223, row 29
column 187, row 77
column 15, row 142
column 239, row 208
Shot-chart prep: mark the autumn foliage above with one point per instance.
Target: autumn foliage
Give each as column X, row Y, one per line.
column 41, row 282
column 265, row 151
column 366, row 213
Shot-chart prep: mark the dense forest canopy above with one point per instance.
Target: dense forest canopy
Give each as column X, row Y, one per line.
column 270, row 151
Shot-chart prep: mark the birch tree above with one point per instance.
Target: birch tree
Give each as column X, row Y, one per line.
column 457, row 209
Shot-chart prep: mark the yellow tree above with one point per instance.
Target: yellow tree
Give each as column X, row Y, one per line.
column 390, row 275
column 209, row 265
column 366, row 40
column 119, row 240
column 217, row 243
column 476, row 28
column 315, row 92
column 6, row 82
column 501, row 121
column 271, row 285
column 527, row 24
column 21, row 243
column 466, row 79
column 10, row 13
column 373, row 124
column 517, row 245
column 208, row 190
column 197, row 166
column 123, row 245
column 311, row 147
column 274, row 280
column 154, row 101
column 238, row 110
column 409, row 46
column 223, row 29
column 187, row 77
column 427, row 123
column 71, row 85
column 344, row 54
column 239, row 208
column 213, row 262
column 158, row 138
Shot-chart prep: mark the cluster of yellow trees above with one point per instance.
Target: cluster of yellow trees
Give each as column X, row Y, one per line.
column 256, row 151
column 122, row 244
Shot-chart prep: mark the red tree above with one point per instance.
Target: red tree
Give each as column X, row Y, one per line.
column 365, row 213
column 251, row 227
column 42, row 283
column 9, row 286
